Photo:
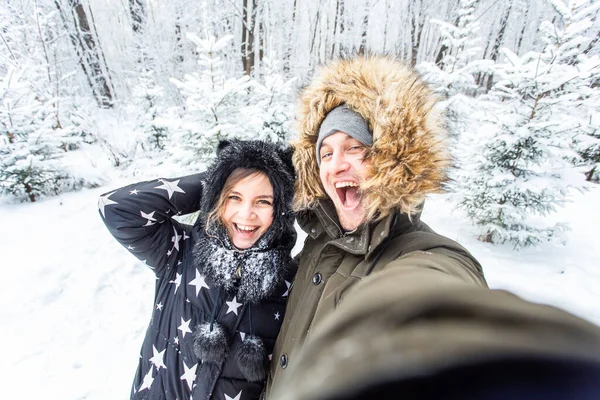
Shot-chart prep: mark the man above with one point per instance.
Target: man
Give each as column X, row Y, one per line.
column 382, row 306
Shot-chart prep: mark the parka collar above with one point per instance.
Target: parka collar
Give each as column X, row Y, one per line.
column 363, row 241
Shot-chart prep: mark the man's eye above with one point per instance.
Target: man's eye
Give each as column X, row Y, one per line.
column 326, row 155
column 355, row 148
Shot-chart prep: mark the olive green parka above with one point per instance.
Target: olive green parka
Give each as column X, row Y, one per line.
column 393, row 299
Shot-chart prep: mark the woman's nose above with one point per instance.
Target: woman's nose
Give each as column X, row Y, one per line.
column 246, row 210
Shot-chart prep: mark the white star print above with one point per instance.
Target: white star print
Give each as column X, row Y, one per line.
column 270, row 357
column 232, row 306
column 189, row 375
column 277, row 316
column 177, row 282
column 158, row 358
column 175, row 239
column 149, row 217
column 134, row 191
column 239, row 395
column 159, row 306
column 148, row 379
column 287, row 292
column 130, row 247
column 243, row 335
column 185, row 235
column 176, row 340
column 185, row 327
column 104, row 201
column 199, row 282
column 170, row 187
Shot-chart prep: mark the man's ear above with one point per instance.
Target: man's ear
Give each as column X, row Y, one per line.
column 222, row 145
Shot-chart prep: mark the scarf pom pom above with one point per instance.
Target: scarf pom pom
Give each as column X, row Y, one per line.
column 251, row 358
column 210, row 344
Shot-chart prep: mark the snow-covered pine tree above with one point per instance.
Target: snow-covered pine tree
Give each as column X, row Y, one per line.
column 148, row 95
column 520, row 169
column 569, row 48
column 36, row 133
column 272, row 104
column 214, row 104
column 454, row 72
column 32, row 144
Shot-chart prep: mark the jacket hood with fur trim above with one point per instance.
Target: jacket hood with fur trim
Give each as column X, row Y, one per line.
column 407, row 158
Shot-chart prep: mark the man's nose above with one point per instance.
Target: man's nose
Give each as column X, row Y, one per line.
column 339, row 162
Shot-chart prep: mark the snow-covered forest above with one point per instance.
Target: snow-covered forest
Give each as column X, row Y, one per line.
column 164, row 81
column 96, row 94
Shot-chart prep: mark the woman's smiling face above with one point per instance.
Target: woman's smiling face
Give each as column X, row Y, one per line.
column 248, row 210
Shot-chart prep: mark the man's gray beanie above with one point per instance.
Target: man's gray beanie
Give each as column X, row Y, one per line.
column 343, row 119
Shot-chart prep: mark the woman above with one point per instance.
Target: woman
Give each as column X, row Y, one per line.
column 222, row 284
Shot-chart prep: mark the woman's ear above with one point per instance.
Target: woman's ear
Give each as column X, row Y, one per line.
column 222, row 145
column 286, row 156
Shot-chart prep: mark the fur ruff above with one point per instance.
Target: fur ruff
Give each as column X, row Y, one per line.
column 252, row 360
column 210, row 343
column 262, row 267
column 407, row 158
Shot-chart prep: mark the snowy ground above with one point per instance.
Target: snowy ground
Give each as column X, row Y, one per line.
column 75, row 304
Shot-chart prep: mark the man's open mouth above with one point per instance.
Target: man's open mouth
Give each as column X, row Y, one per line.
column 348, row 193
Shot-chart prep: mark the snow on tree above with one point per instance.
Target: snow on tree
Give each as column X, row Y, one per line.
column 453, row 75
column 148, row 95
column 520, row 167
column 568, row 49
column 272, row 105
column 32, row 145
column 36, row 131
column 214, row 104
column 454, row 72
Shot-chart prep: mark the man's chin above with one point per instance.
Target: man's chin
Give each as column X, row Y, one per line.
column 351, row 218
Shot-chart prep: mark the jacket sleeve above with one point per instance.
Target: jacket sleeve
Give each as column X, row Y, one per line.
column 140, row 217
column 425, row 314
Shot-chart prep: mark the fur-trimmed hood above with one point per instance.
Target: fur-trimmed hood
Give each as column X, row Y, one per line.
column 407, row 158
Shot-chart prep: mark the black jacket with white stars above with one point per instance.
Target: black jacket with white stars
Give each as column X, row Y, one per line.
column 206, row 339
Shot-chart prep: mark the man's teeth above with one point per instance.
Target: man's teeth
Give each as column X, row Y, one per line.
column 346, row 184
column 246, row 228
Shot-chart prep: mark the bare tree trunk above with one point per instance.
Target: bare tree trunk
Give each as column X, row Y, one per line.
column 498, row 42
column 365, row 28
column 385, row 26
column 248, row 33
column 313, row 39
column 288, row 51
column 416, row 28
column 335, row 27
column 244, row 44
column 138, row 15
column 100, row 52
column 444, row 48
column 522, row 33
column 88, row 52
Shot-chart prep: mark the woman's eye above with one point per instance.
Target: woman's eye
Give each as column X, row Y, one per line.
column 233, row 197
column 265, row 202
